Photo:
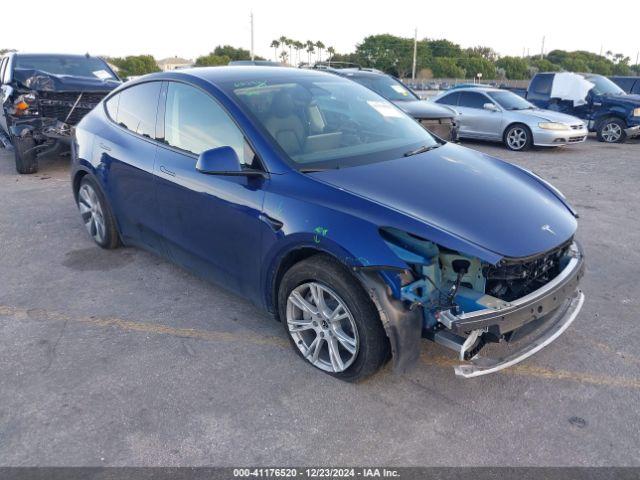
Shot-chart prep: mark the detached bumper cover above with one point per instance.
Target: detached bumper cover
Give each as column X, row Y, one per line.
column 557, row 324
column 550, row 309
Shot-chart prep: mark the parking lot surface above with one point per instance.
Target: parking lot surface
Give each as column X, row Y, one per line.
column 121, row 358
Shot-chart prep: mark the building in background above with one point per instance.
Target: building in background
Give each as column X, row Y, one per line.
column 174, row 63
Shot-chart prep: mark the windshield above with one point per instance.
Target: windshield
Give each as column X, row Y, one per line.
column 510, row 101
column 604, row 86
column 330, row 122
column 74, row 65
column 387, row 87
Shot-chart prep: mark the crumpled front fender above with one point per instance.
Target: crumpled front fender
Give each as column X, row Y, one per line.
column 402, row 325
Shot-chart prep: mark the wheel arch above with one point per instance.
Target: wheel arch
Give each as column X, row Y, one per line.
column 513, row 124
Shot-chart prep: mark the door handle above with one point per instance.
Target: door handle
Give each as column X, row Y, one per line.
column 165, row 170
column 104, row 147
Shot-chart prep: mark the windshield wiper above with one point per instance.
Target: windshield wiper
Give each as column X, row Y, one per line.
column 422, row 149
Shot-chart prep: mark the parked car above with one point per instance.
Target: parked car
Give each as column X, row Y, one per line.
column 502, row 116
column 43, row 97
column 604, row 106
column 361, row 233
column 630, row 85
column 438, row 120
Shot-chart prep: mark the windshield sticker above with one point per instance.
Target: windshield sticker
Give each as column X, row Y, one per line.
column 400, row 89
column 102, row 74
column 385, row 109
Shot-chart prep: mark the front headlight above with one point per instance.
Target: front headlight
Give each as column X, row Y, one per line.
column 553, row 126
column 636, row 112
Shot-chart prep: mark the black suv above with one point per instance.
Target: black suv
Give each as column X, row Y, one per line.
column 43, row 97
column 438, row 119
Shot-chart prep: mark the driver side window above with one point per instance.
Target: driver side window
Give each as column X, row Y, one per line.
column 194, row 122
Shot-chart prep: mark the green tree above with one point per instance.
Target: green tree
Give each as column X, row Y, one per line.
column 388, row 53
column 232, row 52
column 212, row 60
column 298, row 45
column 544, row 65
column 474, row 65
column 487, row 53
column 444, row 48
column 515, row 68
column 134, row 65
column 443, row 67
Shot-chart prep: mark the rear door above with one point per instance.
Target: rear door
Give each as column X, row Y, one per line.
column 127, row 151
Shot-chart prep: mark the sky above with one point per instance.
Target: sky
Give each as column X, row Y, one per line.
column 190, row 28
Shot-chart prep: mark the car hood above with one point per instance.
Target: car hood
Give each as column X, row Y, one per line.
column 623, row 100
column 466, row 194
column 423, row 109
column 548, row 116
column 44, row 81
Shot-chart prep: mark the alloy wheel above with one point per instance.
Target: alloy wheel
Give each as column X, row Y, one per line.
column 91, row 212
column 611, row 132
column 322, row 327
column 517, row 138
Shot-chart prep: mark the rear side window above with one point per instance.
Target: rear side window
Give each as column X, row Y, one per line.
column 541, row 84
column 451, row 99
column 194, row 122
column 135, row 108
column 472, row 100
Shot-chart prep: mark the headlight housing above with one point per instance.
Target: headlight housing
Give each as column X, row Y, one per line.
column 636, row 112
column 553, row 126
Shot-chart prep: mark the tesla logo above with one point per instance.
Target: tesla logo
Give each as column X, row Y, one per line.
column 547, row 228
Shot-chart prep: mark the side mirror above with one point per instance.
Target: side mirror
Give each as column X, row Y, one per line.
column 490, row 106
column 224, row 161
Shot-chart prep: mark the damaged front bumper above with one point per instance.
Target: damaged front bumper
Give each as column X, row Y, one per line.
column 543, row 314
column 632, row 132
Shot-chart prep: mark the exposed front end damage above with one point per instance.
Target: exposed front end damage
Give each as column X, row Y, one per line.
column 517, row 306
column 42, row 109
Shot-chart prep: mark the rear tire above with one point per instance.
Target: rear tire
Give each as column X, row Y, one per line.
column 356, row 332
column 25, row 154
column 96, row 214
column 611, row 130
column 518, row 137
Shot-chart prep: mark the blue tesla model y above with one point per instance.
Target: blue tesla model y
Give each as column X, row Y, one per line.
column 329, row 207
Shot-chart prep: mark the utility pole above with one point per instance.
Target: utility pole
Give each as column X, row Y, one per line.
column 415, row 54
column 542, row 50
column 251, row 17
column 637, row 56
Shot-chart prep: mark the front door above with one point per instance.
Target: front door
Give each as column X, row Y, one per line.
column 211, row 224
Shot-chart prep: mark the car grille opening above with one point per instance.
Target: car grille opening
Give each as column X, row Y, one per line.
column 58, row 105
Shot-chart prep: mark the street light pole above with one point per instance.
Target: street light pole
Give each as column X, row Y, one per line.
column 251, row 17
column 415, row 54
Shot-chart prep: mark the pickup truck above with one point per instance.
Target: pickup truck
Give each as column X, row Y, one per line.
column 610, row 112
column 43, row 97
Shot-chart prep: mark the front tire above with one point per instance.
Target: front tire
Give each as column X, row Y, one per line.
column 518, row 137
column 25, row 154
column 611, row 130
column 96, row 214
column 330, row 320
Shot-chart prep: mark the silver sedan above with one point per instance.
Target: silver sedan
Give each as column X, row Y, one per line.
column 502, row 116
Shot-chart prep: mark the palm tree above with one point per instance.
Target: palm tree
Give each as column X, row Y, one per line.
column 331, row 52
column 275, row 44
column 289, row 43
column 283, row 41
column 310, row 49
column 283, row 56
column 298, row 45
column 320, row 47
